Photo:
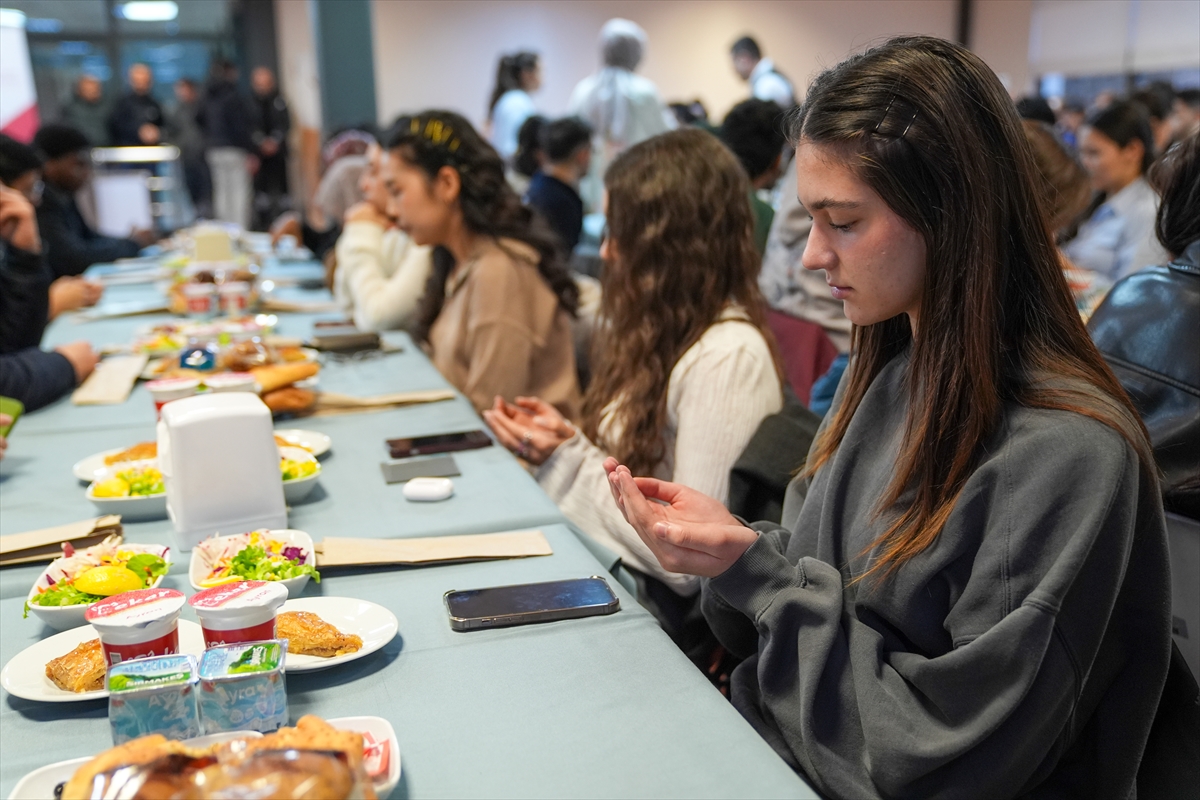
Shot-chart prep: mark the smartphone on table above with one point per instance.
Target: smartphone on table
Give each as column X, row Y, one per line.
column 440, row 443
column 522, row 604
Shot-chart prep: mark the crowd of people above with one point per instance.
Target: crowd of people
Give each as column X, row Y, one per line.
column 966, row 590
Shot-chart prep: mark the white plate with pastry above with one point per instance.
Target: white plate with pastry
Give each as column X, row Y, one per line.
column 313, row 441
column 25, row 676
column 87, row 469
column 372, row 624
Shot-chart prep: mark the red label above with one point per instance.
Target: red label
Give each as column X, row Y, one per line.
column 163, row 646
column 128, row 600
column 217, row 596
column 199, row 303
column 255, row 633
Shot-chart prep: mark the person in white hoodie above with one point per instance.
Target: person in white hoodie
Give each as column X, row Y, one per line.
column 381, row 273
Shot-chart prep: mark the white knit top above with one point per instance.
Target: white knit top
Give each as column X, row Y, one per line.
column 380, row 276
column 718, row 393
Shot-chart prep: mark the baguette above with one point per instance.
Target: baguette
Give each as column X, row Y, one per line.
column 276, row 376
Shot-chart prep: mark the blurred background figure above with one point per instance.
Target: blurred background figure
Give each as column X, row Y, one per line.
column 1158, row 98
column 753, row 130
column 271, row 196
column 766, row 82
column 622, row 107
column 528, row 158
column 1185, row 119
column 87, row 111
column 137, row 118
column 1070, row 120
column 554, row 190
column 518, row 76
column 183, row 131
column 1035, row 107
column 229, row 120
column 1117, row 148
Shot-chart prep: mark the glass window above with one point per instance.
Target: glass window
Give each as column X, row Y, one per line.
column 63, row 17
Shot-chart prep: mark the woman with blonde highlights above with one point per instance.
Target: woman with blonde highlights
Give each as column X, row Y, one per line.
column 969, row 596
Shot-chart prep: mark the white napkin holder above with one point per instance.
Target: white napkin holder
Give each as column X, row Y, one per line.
column 220, row 465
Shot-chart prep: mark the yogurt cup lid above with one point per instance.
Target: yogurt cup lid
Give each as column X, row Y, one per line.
column 239, row 596
column 136, row 609
column 246, row 658
column 230, row 379
column 172, row 384
column 152, row 672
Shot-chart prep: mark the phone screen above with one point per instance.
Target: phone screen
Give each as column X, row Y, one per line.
column 440, row 443
column 551, row 600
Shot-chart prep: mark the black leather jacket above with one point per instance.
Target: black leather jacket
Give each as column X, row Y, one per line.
column 1148, row 328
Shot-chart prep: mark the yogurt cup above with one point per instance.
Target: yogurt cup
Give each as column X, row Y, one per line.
column 167, row 389
column 231, row 382
column 200, row 299
column 242, row 611
column 135, row 624
column 235, row 297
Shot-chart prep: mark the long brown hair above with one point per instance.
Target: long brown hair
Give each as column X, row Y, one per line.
column 928, row 126
column 682, row 229
column 435, row 139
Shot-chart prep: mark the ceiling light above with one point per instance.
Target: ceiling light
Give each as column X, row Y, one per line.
column 147, row 10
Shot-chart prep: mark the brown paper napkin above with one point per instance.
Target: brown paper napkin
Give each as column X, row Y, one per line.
column 112, row 381
column 46, row 544
column 340, row 552
column 290, row 306
column 332, row 403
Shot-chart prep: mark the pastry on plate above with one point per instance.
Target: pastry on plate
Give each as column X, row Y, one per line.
column 139, row 452
column 81, row 670
column 309, row 635
column 289, row 400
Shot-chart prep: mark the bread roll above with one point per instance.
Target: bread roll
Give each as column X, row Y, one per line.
column 289, row 400
column 276, row 376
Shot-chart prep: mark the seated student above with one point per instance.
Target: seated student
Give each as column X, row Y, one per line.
column 381, row 274
column 753, row 130
column 33, row 376
column 496, row 313
column 528, row 158
column 1118, row 238
column 1146, row 329
column 972, row 597
column 554, row 190
column 20, row 169
column 678, row 394
column 72, row 246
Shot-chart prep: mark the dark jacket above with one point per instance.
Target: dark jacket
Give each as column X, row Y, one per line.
column 129, row 114
column 28, row 374
column 560, row 204
column 24, row 299
column 273, row 121
column 228, row 117
column 90, row 119
column 70, row 245
column 1147, row 330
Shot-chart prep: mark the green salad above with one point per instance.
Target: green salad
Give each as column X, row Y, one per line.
column 256, row 564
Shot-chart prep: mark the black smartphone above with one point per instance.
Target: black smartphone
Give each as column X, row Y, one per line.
column 502, row 606
column 441, row 443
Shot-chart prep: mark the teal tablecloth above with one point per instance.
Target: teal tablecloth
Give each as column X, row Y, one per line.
column 600, row 707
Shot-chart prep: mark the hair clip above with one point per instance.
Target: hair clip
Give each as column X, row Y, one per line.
column 911, row 120
column 879, row 124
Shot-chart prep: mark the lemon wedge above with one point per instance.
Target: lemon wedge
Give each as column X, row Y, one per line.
column 113, row 487
column 107, row 581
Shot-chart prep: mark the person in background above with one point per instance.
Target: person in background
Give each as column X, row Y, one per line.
column 229, row 121
column 1118, row 238
column 72, row 246
column 87, row 111
column 529, row 157
column 969, row 595
column 1035, row 107
column 496, row 313
column 381, row 274
column 1062, row 183
column 554, row 190
column 1158, row 98
column 691, row 115
column 766, row 82
column 35, row 377
column 518, row 76
column 1185, row 119
column 21, row 169
column 183, row 130
column 137, row 118
column 679, row 394
column 753, row 130
column 271, row 196
column 1070, row 120
column 622, row 107
column 1146, row 329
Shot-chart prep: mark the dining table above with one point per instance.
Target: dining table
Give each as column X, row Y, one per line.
column 604, row 706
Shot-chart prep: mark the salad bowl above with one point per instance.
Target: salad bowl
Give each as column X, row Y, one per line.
column 133, row 507
column 220, row 551
column 67, row 568
column 296, row 489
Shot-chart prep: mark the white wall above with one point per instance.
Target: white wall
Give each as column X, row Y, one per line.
column 1000, row 36
column 430, row 53
column 1087, row 37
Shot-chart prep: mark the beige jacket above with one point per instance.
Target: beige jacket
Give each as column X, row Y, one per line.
column 502, row 332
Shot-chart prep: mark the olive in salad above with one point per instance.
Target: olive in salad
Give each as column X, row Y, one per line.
column 88, row 576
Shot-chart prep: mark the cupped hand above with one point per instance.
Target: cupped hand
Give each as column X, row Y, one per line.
column 688, row 531
column 82, row 357
column 286, row 224
column 69, row 293
column 531, row 428
column 18, row 221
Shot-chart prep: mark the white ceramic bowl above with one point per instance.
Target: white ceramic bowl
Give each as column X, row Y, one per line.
column 133, row 508
column 63, row 617
column 296, row 490
column 201, row 565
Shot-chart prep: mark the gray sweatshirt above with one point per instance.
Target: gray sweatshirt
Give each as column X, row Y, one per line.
column 1022, row 653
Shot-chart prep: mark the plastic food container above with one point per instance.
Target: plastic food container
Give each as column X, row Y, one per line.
column 153, row 695
column 242, row 611
column 242, row 687
column 231, row 382
column 168, row 389
column 200, row 299
column 235, row 297
column 137, row 624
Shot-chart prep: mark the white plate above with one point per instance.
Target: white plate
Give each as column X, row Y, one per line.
column 201, row 564
column 297, row 489
column 25, row 674
column 39, row 784
column 375, row 624
column 63, row 617
column 86, row 469
column 317, row 442
column 383, row 731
